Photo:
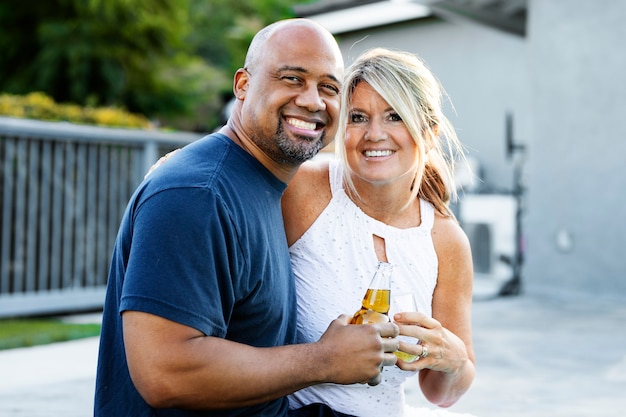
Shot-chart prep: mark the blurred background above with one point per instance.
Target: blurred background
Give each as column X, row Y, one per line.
column 92, row 92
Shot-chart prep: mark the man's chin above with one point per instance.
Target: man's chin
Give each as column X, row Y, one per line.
column 306, row 154
column 303, row 150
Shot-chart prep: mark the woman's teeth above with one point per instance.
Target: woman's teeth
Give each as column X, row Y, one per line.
column 378, row 153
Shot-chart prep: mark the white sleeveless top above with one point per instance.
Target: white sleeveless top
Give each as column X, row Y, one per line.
column 333, row 264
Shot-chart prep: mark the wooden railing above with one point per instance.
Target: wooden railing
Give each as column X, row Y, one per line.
column 63, row 190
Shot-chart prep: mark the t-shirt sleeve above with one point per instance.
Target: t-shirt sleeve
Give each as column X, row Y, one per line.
column 182, row 260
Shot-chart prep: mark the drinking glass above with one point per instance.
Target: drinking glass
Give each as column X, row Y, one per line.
column 404, row 303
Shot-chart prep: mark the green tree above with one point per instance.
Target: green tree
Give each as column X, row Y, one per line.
column 223, row 29
column 128, row 53
column 167, row 59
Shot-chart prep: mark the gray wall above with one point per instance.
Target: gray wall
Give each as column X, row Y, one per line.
column 577, row 174
column 565, row 84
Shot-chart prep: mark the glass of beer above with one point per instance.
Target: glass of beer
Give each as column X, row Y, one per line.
column 404, row 303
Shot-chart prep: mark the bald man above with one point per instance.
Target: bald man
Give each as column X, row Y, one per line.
column 200, row 316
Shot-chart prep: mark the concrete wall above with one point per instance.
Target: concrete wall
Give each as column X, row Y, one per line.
column 576, row 218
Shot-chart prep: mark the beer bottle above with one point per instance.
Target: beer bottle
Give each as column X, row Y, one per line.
column 376, row 301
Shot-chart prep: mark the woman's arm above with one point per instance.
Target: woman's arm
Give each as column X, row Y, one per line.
column 448, row 370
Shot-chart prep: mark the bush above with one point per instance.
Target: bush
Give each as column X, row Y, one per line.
column 40, row 106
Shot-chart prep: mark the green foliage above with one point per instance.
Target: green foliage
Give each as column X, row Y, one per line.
column 15, row 333
column 166, row 59
column 223, row 29
column 39, row 106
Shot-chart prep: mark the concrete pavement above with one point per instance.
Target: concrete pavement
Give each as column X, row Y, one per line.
column 547, row 357
column 537, row 356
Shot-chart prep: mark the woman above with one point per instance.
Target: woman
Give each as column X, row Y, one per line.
column 386, row 199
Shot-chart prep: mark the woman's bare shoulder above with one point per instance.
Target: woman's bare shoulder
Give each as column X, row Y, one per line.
column 448, row 236
column 309, row 179
column 306, row 196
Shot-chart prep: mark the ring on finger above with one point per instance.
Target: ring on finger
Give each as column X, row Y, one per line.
column 424, row 352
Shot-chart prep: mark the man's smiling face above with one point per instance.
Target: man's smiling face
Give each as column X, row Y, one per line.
column 292, row 95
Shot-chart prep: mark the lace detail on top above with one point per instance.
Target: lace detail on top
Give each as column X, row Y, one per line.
column 333, row 263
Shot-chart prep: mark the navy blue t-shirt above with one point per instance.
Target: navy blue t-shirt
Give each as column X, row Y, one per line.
column 201, row 243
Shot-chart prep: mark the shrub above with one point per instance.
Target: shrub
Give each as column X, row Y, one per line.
column 39, row 106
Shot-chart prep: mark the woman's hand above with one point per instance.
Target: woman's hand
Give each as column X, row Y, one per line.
column 439, row 349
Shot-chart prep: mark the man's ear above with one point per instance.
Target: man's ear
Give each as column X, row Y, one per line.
column 240, row 85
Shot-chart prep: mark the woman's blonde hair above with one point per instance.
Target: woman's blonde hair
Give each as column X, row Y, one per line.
column 403, row 80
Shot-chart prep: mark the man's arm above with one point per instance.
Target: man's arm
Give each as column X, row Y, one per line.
column 173, row 365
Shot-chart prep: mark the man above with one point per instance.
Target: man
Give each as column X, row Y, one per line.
column 199, row 317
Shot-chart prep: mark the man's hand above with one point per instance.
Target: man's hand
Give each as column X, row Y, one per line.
column 357, row 354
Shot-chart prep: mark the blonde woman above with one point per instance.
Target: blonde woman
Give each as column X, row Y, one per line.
column 385, row 198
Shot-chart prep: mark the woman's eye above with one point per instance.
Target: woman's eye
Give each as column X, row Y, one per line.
column 356, row 118
column 395, row 117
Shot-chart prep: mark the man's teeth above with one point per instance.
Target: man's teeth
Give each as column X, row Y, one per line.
column 378, row 153
column 301, row 124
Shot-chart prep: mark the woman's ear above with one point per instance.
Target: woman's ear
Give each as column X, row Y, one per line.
column 431, row 137
column 435, row 130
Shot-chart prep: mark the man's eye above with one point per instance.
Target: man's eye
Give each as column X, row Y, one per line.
column 292, row 79
column 331, row 89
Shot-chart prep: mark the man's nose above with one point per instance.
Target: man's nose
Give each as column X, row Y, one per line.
column 311, row 99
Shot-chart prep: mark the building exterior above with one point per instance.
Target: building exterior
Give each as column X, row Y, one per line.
column 554, row 68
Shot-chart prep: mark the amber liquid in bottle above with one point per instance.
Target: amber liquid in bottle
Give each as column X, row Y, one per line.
column 377, row 299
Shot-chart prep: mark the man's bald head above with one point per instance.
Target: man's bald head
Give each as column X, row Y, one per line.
column 287, row 105
column 258, row 44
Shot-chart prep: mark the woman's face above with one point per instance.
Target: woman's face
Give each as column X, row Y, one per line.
column 379, row 147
